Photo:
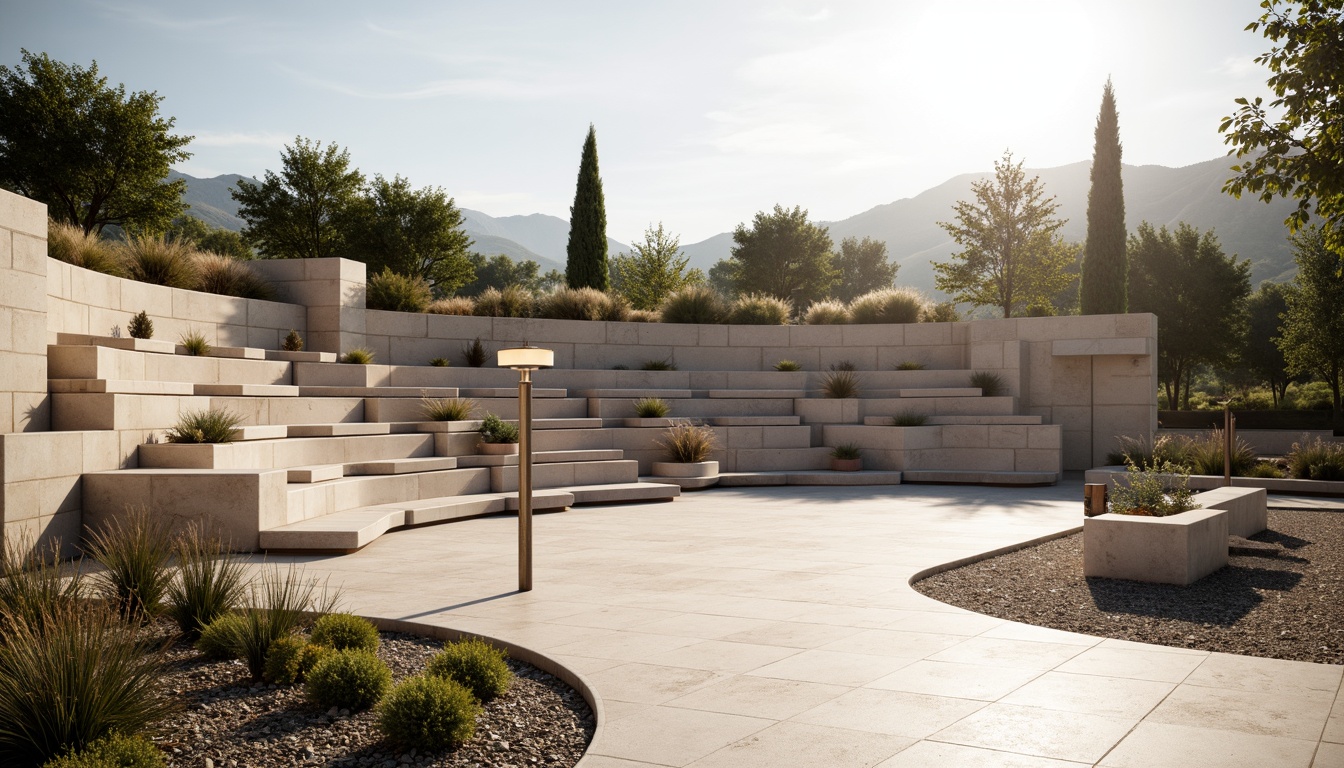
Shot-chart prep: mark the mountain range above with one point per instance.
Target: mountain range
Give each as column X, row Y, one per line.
column 909, row 226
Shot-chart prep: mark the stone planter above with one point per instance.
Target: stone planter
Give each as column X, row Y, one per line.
column 498, row 449
column 1179, row 549
column 846, row 465
column 688, row 475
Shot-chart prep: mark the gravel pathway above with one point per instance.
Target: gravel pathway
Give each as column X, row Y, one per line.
column 1285, row 607
column 227, row 721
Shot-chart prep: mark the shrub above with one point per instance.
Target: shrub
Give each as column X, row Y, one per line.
column 218, row 637
column 352, row 679
column 944, row 312
column 1316, row 459
column 688, row 443
column 195, row 344
column 476, row 665
column 113, row 751
column 759, row 309
column 134, row 551
column 658, row 365
column 475, row 353
column 453, row 305
column 68, row 243
column 1265, row 469
column 440, row 362
column 284, row 659
column 209, row 581
column 989, row 384
column 293, row 342
column 788, row 365
column 214, row 425
column 909, row 418
column 846, row 452
column 1205, row 455
column 160, row 262
column 33, row 585
column 840, row 384
column 513, row 301
column 1155, row 490
column 828, row 312
column 227, row 276
column 358, row 356
column 652, row 408
column 81, row 676
column 276, row 606
column 910, row 365
column 393, row 292
column 577, row 304
column 343, row 631
column 1159, row 449
column 140, row 326
column 496, row 430
column 697, row 303
column 844, row 365
column 428, row 712
column 889, row 305
column 447, row 408
column 643, row 316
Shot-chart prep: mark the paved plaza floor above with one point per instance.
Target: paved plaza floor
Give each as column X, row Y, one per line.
column 776, row 627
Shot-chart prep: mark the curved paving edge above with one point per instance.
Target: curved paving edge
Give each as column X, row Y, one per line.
column 959, row 562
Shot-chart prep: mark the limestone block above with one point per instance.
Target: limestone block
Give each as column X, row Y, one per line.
column 268, row 339
column 45, row 530
column 1070, row 381
column 808, row 357
column 1038, row 460
column 279, row 270
column 1007, row 436
column 40, row 455
column 1137, row 324
column 1045, row 436
column 758, row 335
column 180, row 368
column 458, row 482
column 827, row 411
column 380, row 446
column 29, row 254
column 987, row 355
column 863, row 358
column 987, row 459
column 1077, row 450
column 786, row 437
column 622, row 333
column 669, row 334
column 994, row 330
column 873, row 335
column 99, row 290
column 694, row 358
column 101, row 451
column 1112, row 421
column 22, row 214
column 1123, row 381
column 1086, row 347
column 341, row 375
column 134, row 296
column 406, row 324
column 1180, row 549
column 777, row 459
column 928, row 334
column 712, row 335
column 22, row 290
column 1245, row 507
column 544, row 332
column 966, row 436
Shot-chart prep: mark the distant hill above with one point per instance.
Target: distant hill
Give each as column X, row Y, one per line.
column 210, row 201
column 1163, row 196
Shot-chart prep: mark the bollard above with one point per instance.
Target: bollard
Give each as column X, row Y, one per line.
column 1094, row 499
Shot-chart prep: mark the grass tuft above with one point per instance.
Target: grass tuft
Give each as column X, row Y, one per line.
column 788, row 365
column 33, row 585
column 152, row 259
column 688, row 443
column 68, row 243
column 194, row 343
column 759, row 309
column 652, row 408
column 358, row 356
column 658, row 365
column 394, row 292
column 889, row 305
column 463, row 306
column 910, row 365
column 989, row 384
column 209, row 581
column 214, row 425
column 227, row 276
column 840, row 384
column 696, row 303
column 475, row 353
column 447, row 408
column 827, row 312
column 909, row 418
column 135, row 550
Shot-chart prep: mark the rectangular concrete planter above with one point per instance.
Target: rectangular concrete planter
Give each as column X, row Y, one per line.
column 1180, row 549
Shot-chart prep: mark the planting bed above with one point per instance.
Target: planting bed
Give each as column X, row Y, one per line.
column 1284, row 607
column 228, row 721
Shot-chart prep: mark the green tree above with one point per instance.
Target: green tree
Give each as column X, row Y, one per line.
column 297, row 213
column 587, row 249
column 862, row 266
column 722, row 277
column 654, row 269
column 416, row 233
column 783, row 255
column 1295, row 145
column 1262, row 357
column 1011, row 258
column 499, row 271
column 1313, row 325
column 1102, row 290
column 202, row 236
column 94, row 154
column 1199, row 296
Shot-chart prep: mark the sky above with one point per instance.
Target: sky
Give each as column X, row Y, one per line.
column 706, row 112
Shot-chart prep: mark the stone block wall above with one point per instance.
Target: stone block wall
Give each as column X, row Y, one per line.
column 24, row 405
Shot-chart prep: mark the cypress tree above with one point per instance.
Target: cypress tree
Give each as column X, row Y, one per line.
column 1103, row 289
column 586, row 266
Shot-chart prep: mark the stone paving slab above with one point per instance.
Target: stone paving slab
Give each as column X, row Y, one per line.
column 777, row 627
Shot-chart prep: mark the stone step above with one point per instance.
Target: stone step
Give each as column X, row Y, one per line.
column 941, row 392
column 979, row 477
column 247, row 390
column 324, row 390
column 757, row 394
column 617, row 493
column 300, row 356
column 754, row 421
column 453, row 507
column 466, row 425
column 633, row 394
column 157, row 346
column 259, row 432
column 541, row 457
column 121, row 386
column 696, row 408
column 286, row 452
column 401, row 466
column 512, row 392
column 816, row 477
column 236, row 353
column 407, row 409
column 342, row 429
column 684, row 483
column 562, row 474
column 1030, row 421
column 575, row 423
column 316, row 473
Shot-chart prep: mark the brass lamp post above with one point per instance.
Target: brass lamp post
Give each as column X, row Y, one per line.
column 524, row 360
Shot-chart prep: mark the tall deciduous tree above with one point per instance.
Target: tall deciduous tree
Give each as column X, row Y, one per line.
column 654, row 269
column 416, row 233
column 1295, row 145
column 201, row 235
column 94, row 154
column 586, row 266
column 862, row 266
column 297, row 213
column 783, row 255
column 1011, row 258
column 1313, row 327
column 1263, row 358
column 499, row 271
column 1198, row 294
column 1103, row 290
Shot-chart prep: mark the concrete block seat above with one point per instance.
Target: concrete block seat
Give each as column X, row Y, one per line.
column 612, row 408
column 812, row 477
column 939, row 406
column 110, row 364
column 413, row 409
column 756, row 394
column 400, row 466
column 284, row 453
column 558, row 474
column 247, row 390
column 120, row 387
column 542, row 457
column 155, row 346
column 512, row 392
column 340, row 390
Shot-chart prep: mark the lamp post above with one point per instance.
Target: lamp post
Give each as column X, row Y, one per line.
column 524, row 360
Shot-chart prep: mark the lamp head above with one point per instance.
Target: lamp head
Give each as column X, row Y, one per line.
column 526, row 358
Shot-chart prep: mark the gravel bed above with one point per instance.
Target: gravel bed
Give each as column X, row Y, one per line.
column 1285, row 607
column 228, row 721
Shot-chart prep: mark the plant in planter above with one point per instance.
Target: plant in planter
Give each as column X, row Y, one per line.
column 652, row 408
column 195, row 344
column 140, row 326
column 687, row 448
column 846, row 458
column 989, row 384
column 840, row 384
column 358, row 356
column 498, row 437
column 1153, row 490
column 210, row 426
column 909, row 418
column 293, row 342
column 448, row 408
column 788, row 365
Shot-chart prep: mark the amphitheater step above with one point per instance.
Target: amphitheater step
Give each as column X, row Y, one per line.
column 401, row 466
column 259, row 432
column 316, row 473
column 511, row 392
column 754, row 421
column 158, row 346
column 288, row 356
column 941, row 421
column 236, row 353
column 540, row 457
column 819, row 477
column 617, row 493
column 343, row 391
column 684, row 483
column 633, row 394
column 979, row 477
column 562, row 474
column 941, row 392
column 247, row 390
column 574, row 423
column 757, row 394
column 121, row 386
column 342, row 429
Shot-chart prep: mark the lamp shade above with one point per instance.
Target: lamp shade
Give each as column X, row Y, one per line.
column 530, row 358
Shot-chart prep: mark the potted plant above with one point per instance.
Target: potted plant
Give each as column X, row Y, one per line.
column 687, row 447
column 498, row 437
column 846, row 458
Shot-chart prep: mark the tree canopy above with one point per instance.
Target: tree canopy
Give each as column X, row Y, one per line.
column 861, row 266
column 201, row 235
column 297, row 213
column 783, row 255
column 1313, row 325
column 1198, row 294
column 1262, row 357
column 1103, row 289
column 94, row 154
column 1294, row 146
column 1011, row 257
column 654, row 269
column 499, row 271
column 414, row 233
column 586, row 266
